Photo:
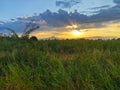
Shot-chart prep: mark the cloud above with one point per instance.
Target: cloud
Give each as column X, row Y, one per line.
column 1, row 22
column 56, row 19
column 101, row 7
column 67, row 3
column 103, row 15
column 63, row 4
column 63, row 18
column 117, row 1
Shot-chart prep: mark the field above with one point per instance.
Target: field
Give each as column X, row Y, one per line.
column 59, row 65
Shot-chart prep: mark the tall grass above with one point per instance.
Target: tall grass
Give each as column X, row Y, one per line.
column 59, row 65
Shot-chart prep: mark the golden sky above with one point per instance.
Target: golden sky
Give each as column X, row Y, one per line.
column 63, row 19
column 74, row 31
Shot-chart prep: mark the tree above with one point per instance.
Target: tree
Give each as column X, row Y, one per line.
column 30, row 27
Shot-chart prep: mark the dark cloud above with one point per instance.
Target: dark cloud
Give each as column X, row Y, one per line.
column 63, row 18
column 117, row 1
column 56, row 19
column 107, row 14
column 67, row 3
column 63, row 4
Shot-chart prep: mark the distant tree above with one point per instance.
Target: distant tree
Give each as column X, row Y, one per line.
column 34, row 38
column 118, row 39
column 114, row 39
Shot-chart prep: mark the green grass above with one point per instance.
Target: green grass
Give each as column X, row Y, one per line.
column 59, row 65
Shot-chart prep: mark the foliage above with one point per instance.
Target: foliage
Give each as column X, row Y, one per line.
column 59, row 65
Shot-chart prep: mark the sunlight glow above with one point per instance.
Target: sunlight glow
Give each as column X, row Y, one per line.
column 76, row 33
column 74, row 26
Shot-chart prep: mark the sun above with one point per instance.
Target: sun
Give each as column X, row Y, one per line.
column 76, row 32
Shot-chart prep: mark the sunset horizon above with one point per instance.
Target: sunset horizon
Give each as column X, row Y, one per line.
column 63, row 19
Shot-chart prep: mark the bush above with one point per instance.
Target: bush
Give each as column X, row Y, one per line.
column 34, row 38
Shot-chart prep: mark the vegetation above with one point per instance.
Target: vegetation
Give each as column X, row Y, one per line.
column 59, row 65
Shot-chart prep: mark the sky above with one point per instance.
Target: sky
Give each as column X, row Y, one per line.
column 63, row 19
